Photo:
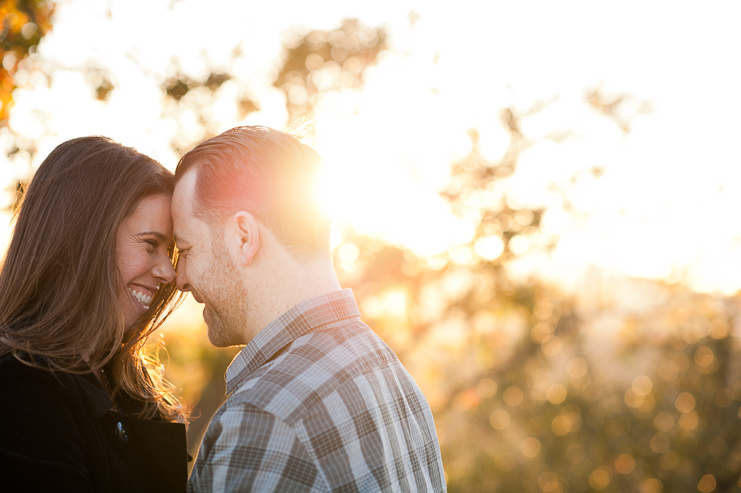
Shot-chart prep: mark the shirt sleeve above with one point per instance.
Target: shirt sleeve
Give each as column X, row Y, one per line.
column 246, row 449
column 41, row 447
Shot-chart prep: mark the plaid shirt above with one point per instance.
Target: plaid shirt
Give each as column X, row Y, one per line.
column 317, row 402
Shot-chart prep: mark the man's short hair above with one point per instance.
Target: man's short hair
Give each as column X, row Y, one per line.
column 267, row 173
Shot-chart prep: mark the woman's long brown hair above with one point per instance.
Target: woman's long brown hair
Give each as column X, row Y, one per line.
column 59, row 283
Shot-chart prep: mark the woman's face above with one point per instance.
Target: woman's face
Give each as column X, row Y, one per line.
column 141, row 255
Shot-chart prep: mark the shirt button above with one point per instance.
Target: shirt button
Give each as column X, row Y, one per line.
column 121, row 432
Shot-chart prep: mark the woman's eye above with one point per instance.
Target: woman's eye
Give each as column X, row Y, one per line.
column 151, row 243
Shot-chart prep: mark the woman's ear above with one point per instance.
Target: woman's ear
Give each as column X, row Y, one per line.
column 246, row 237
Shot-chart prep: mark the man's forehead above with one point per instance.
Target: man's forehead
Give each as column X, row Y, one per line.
column 182, row 201
column 187, row 227
column 184, row 190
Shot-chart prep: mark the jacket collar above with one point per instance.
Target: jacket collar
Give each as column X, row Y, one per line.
column 94, row 395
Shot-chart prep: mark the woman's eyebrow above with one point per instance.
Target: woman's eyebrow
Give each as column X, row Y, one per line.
column 156, row 234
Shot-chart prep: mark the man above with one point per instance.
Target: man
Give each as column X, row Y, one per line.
column 316, row 401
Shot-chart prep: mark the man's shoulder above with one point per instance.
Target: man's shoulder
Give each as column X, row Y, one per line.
column 312, row 368
column 340, row 395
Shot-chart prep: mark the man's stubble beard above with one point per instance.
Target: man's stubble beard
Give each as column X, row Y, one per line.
column 227, row 306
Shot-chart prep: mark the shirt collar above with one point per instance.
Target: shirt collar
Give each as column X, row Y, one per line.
column 302, row 318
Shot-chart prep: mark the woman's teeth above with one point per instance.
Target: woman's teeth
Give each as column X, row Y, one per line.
column 143, row 299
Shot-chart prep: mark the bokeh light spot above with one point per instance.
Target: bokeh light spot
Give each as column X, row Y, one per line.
column 642, row 385
column 548, row 482
column 561, row 425
column 600, row 478
column 530, row 447
column 489, row 247
column 461, row 255
column 513, row 396
column 660, row 443
column 519, row 245
column 664, row 421
column 685, row 402
column 689, row 421
column 487, row 388
column 724, row 397
column 349, row 253
column 649, row 402
column 652, row 485
column 669, row 460
column 541, row 331
column 719, row 328
column 556, row 393
column 704, row 356
column 499, row 419
column 633, row 400
column 625, row 463
column 314, row 62
column 707, row 484
column 552, row 346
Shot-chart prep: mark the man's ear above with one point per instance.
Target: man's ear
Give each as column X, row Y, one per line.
column 246, row 237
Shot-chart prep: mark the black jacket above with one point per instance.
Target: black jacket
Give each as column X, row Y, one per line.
column 58, row 433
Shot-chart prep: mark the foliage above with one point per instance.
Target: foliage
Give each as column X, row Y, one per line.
column 192, row 99
column 25, row 22
column 523, row 396
column 314, row 64
column 325, row 61
column 528, row 391
column 551, row 417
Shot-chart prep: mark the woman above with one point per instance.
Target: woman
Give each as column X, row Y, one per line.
column 87, row 277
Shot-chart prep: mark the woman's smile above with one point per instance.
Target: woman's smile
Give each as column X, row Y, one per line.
column 142, row 296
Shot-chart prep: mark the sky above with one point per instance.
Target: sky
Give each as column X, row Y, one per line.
column 664, row 207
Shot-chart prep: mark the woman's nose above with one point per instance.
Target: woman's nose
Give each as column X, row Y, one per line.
column 164, row 271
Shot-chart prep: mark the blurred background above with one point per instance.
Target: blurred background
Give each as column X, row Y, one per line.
column 535, row 203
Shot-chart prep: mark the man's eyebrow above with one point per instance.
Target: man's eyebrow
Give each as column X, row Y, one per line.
column 179, row 241
column 156, row 234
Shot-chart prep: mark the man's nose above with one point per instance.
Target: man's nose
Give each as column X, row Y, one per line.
column 182, row 280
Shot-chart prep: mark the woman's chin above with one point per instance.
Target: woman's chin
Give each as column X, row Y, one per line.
column 133, row 315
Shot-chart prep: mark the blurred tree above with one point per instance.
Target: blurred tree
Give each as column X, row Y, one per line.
column 621, row 108
column 521, row 399
column 24, row 23
column 313, row 65
column 553, row 418
column 190, row 102
column 321, row 62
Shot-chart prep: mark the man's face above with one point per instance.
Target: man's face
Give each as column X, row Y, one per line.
column 206, row 270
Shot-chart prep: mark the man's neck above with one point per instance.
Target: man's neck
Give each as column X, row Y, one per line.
column 305, row 283
column 289, row 284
